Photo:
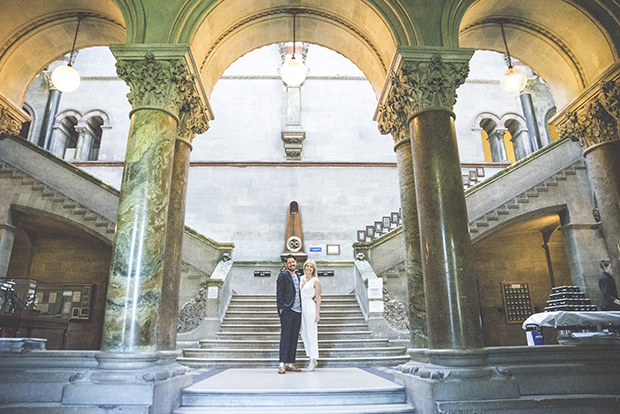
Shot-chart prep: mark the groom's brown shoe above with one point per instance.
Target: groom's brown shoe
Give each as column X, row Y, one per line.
column 293, row 368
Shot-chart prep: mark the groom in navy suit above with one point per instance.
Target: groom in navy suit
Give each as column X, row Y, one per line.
column 289, row 309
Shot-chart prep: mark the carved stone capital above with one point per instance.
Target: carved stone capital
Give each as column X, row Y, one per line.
column 610, row 98
column 165, row 77
column 420, row 78
column 591, row 125
column 11, row 118
column 193, row 118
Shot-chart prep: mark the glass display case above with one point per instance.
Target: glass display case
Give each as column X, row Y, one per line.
column 27, row 304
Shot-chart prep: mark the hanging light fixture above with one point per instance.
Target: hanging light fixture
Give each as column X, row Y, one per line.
column 293, row 72
column 514, row 79
column 65, row 78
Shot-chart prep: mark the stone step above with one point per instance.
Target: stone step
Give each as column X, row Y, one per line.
column 349, row 327
column 254, row 308
column 274, row 352
column 274, row 343
column 340, row 409
column 324, row 298
column 276, row 335
column 360, row 362
column 276, row 320
column 336, row 390
column 271, row 312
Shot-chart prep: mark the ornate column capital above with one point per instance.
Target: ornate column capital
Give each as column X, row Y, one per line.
column 420, row 78
column 11, row 117
column 165, row 77
column 591, row 125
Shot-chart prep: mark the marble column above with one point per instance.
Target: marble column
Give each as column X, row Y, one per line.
column 427, row 79
column 193, row 120
column 161, row 79
column 392, row 120
column 49, row 116
column 84, row 142
column 595, row 125
column 498, row 146
column 7, row 236
column 530, row 120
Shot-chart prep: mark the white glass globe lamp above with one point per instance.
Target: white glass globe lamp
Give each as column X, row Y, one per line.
column 513, row 80
column 65, row 79
column 293, row 72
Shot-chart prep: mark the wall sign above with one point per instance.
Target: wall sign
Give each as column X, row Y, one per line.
column 325, row 273
column 262, row 273
column 316, row 249
column 517, row 302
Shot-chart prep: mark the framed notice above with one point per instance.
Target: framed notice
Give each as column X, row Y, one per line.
column 77, row 301
column 517, row 301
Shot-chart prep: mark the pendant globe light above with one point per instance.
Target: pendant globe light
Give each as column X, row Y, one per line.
column 514, row 79
column 65, row 78
column 293, row 72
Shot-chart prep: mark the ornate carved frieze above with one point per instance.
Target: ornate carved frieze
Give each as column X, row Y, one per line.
column 193, row 312
column 419, row 84
column 591, row 126
column 8, row 124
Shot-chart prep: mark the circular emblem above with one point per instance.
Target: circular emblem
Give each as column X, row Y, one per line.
column 293, row 243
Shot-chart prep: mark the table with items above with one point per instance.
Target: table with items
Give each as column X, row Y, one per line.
column 576, row 328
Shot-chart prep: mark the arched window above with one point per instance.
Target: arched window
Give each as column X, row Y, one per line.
column 77, row 137
column 519, row 138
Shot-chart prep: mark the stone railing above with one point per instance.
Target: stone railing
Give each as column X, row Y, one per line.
column 386, row 317
column 200, row 318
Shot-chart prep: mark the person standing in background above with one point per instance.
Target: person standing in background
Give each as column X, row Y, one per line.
column 607, row 284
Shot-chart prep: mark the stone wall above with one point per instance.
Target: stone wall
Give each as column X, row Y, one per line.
column 67, row 259
column 515, row 257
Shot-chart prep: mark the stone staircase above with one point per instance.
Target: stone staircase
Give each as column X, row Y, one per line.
column 250, row 332
column 515, row 206
column 337, row 390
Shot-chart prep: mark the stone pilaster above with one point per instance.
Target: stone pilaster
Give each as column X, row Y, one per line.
column 498, row 145
column 293, row 135
column 427, row 78
column 393, row 120
column 7, row 237
column 84, row 143
column 161, row 79
column 595, row 125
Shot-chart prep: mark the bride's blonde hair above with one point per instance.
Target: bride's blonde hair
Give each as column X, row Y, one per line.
column 313, row 263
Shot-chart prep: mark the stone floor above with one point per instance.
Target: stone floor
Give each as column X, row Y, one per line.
column 328, row 390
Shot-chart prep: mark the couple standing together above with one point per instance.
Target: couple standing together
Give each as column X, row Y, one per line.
column 299, row 305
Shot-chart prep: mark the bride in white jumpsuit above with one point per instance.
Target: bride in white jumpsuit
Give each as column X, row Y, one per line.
column 310, row 309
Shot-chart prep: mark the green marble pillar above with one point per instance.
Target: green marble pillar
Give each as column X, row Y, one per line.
column 450, row 283
column 422, row 90
column 161, row 84
column 174, row 247
column 134, row 287
column 595, row 125
column 392, row 120
column 413, row 256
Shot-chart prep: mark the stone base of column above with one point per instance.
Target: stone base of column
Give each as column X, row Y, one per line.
column 536, row 379
column 138, row 382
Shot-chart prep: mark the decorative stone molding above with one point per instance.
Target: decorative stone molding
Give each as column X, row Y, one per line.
column 420, row 78
column 395, row 313
column 193, row 312
column 293, row 143
column 611, row 98
column 165, row 77
column 156, row 83
column 8, row 123
column 590, row 126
